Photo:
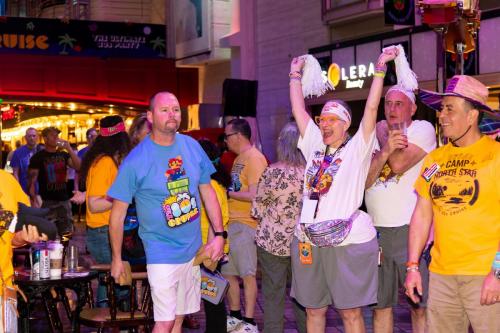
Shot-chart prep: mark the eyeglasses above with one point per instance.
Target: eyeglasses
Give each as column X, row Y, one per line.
column 326, row 119
column 226, row 136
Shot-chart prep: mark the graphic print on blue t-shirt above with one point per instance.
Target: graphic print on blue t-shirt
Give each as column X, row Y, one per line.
column 180, row 206
column 144, row 175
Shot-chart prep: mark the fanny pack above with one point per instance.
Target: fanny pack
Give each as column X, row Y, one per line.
column 330, row 232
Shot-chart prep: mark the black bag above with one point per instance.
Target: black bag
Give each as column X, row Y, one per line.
column 132, row 247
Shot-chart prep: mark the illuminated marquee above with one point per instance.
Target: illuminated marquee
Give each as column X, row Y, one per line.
column 352, row 77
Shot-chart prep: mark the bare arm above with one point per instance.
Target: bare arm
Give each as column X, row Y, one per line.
column 371, row 107
column 32, row 180
column 216, row 245
column 15, row 173
column 74, row 160
column 393, row 145
column 490, row 291
column 420, row 225
column 118, row 213
column 378, row 161
column 297, row 98
column 99, row 204
column 401, row 160
column 244, row 195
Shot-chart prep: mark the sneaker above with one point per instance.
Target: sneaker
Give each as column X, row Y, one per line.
column 246, row 328
column 233, row 323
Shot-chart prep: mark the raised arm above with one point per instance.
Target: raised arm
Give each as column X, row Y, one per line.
column 370, row 114
column 296, row 97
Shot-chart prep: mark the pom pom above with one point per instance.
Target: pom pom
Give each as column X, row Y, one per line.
column 313, row 81
column 406, row 77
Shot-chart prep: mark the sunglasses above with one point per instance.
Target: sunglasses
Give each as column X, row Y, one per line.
column 226, row 136
column 326, row 119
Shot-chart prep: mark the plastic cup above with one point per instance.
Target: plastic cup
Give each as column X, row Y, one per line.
column 56, row 257
column 72, row 256
column 402, row 127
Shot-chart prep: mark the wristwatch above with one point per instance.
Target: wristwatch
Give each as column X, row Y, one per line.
column 221, row 233
column 496, row 273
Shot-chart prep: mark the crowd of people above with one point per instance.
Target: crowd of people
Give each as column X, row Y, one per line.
column 156, row 197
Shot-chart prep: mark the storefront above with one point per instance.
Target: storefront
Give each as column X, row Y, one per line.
column 70, row 74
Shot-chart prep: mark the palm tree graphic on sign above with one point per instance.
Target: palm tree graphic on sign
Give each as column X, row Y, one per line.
column 65, row 41
column 158, row 43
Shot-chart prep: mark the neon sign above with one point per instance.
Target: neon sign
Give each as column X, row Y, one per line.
column 353, row 76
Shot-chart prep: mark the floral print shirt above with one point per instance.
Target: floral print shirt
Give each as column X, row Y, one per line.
column 277, row 207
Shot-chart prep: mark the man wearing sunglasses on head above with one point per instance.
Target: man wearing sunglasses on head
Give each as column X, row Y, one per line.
column 245, row 174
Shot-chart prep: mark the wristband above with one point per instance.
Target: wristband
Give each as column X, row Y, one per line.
column 379, row 74
column 496, row 264
column 295, row 74
column 411, row 263
column 295, row 78
column 412, row 269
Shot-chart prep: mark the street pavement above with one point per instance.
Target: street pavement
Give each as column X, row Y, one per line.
column 402, row 322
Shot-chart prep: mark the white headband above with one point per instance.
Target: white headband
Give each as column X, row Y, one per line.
column 402, row 90
column 338, row 110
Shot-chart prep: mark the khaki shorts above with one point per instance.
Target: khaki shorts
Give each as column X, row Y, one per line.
column 454, row 304
column 345, row 276
column 242, row 258
column 392, row 271
column 175, row 289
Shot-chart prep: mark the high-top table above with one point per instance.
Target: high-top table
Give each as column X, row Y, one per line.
column 41, row 288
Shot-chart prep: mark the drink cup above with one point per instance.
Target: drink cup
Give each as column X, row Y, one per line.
column 56, row 255
column 72, row 258
column 401, row 126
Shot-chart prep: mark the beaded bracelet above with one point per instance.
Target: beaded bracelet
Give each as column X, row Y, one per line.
column 295, row 74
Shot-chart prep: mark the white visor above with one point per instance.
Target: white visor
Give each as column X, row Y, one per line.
column 402, row 90
column 338, row 110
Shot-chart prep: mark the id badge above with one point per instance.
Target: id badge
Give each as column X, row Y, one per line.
column 305, row 253
column 308, row 210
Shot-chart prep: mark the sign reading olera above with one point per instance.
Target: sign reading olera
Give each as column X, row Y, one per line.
column 355, row 76
column 81, row 38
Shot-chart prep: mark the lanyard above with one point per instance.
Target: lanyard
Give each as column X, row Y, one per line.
column 327, row 161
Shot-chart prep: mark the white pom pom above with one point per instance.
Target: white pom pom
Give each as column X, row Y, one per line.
column 313, row 81
column 406, row 77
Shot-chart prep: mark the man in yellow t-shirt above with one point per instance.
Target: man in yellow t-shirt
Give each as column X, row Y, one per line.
column 245, row 174
column 458, row 189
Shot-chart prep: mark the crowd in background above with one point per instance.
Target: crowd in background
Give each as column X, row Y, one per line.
column 297, row 220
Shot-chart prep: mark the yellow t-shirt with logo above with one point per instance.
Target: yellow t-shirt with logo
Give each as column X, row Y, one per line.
column 465, row 195
column 100, row 177
column 10, row 194
column 247, row 169
column 220, row 191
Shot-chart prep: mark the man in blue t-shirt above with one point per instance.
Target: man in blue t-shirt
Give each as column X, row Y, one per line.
column 21, row 158
column 168, row 174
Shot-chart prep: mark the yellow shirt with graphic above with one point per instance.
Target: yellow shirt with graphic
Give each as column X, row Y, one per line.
column 247, row 169
column 10, row 194
column 220, row 191
column 465, row 195
column 101, row 176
